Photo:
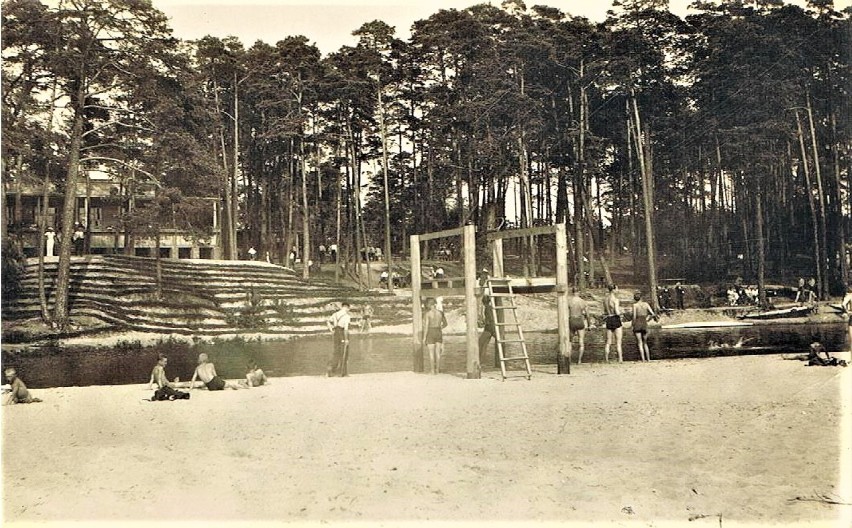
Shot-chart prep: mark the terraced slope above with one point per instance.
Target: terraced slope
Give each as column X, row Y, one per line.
column 200, row 296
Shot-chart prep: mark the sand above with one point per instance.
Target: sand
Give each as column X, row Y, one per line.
column 709, row 440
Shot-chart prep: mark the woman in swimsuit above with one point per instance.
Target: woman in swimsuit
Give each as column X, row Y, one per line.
column 641, row 312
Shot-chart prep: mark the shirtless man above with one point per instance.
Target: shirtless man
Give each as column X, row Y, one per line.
column 578, row 321
column 18, row 392
column 433, row 324
column 158, row 375
column 612, row 317
column 206, row 372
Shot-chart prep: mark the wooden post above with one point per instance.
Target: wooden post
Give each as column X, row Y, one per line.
column 497, row 271
column 416, row 310
column 563, row 364
column 474, row 369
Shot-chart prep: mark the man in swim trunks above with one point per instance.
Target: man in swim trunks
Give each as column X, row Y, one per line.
column 206, row 372
column 489, row 330
column 578, row 321
column 18, row 392
column 433, row 324
column 641, row 312
column 612, row 318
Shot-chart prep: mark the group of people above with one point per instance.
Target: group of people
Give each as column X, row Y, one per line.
column 806, row 293
column 204, row 372
column 578, row 323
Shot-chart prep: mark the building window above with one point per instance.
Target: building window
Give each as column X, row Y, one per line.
column 184, row 253
column 205, row 252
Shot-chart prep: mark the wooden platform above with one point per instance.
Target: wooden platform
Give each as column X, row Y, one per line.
column 454, row 286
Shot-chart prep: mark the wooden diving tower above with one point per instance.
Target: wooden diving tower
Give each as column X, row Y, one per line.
column 467, row 286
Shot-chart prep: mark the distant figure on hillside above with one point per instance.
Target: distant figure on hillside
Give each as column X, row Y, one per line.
column 680, row 291
column 254, row 376
column 165, row 389
column 612, row 320
column 578, row 321
column 50, row 242
column 812, row 289
column 17, row 390
column 439, row 273
column 434, row 322
column 78, row 238
column 206, row 372
column 333, row 251
column 641, row 313
column 338, row 323
column 383, row 278
column 252, row 253
column 366, row 318
column 847, row 308
column 801, row 291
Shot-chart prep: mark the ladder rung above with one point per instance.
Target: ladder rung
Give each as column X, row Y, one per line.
column 507, row 324
column 518, row 358
column 505, row 307
column 510, row 340
column 499, row 279
column 495, row 294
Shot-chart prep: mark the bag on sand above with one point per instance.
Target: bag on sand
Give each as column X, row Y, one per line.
column 168, row 393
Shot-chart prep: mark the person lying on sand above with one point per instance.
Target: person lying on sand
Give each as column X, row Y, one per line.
column 206, row 372
column 254, row 376
column 18, row 392
column 814, row 359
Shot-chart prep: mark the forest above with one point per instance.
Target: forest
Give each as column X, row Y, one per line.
column 702, row 146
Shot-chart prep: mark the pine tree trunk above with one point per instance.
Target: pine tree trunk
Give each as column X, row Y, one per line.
column 646, row 168
column 811, row 204
column 63, row 276
column 384, row 134
column 822, row 285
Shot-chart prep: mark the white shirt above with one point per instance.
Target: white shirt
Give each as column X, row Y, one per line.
column 340, row 318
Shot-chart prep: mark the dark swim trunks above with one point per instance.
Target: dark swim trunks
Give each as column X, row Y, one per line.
column 216, row 383
column 640, row 325
column 576, row 323
column 434, row 335
column 613, row 322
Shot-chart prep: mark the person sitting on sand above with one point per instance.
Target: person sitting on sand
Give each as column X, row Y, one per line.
column 641, row 312
column 814, row 358
column 206, row 372
column 254, row 376
column 165, row 389
column 18, row 392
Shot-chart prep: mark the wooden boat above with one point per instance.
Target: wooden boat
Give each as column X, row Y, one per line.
column 794, row 311
column 706, row 324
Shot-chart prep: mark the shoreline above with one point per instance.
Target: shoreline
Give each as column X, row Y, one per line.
column 632, row 443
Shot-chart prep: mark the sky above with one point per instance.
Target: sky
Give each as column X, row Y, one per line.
column 329, row 23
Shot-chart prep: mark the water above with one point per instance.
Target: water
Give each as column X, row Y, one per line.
column 52, row 366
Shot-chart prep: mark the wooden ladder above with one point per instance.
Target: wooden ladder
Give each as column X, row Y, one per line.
column 501, row 329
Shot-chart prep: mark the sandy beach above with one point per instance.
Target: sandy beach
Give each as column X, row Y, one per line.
column 731, row 440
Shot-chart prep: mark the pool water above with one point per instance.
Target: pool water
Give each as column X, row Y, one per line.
column 54, row 366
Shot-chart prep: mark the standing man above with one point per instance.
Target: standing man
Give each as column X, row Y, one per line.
column 78, row 237
column 338, row 323
column 434, row 323
column 847, row 307
column 489, row 330
column 612, row 318
column 578, row 321
column 679, row 294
